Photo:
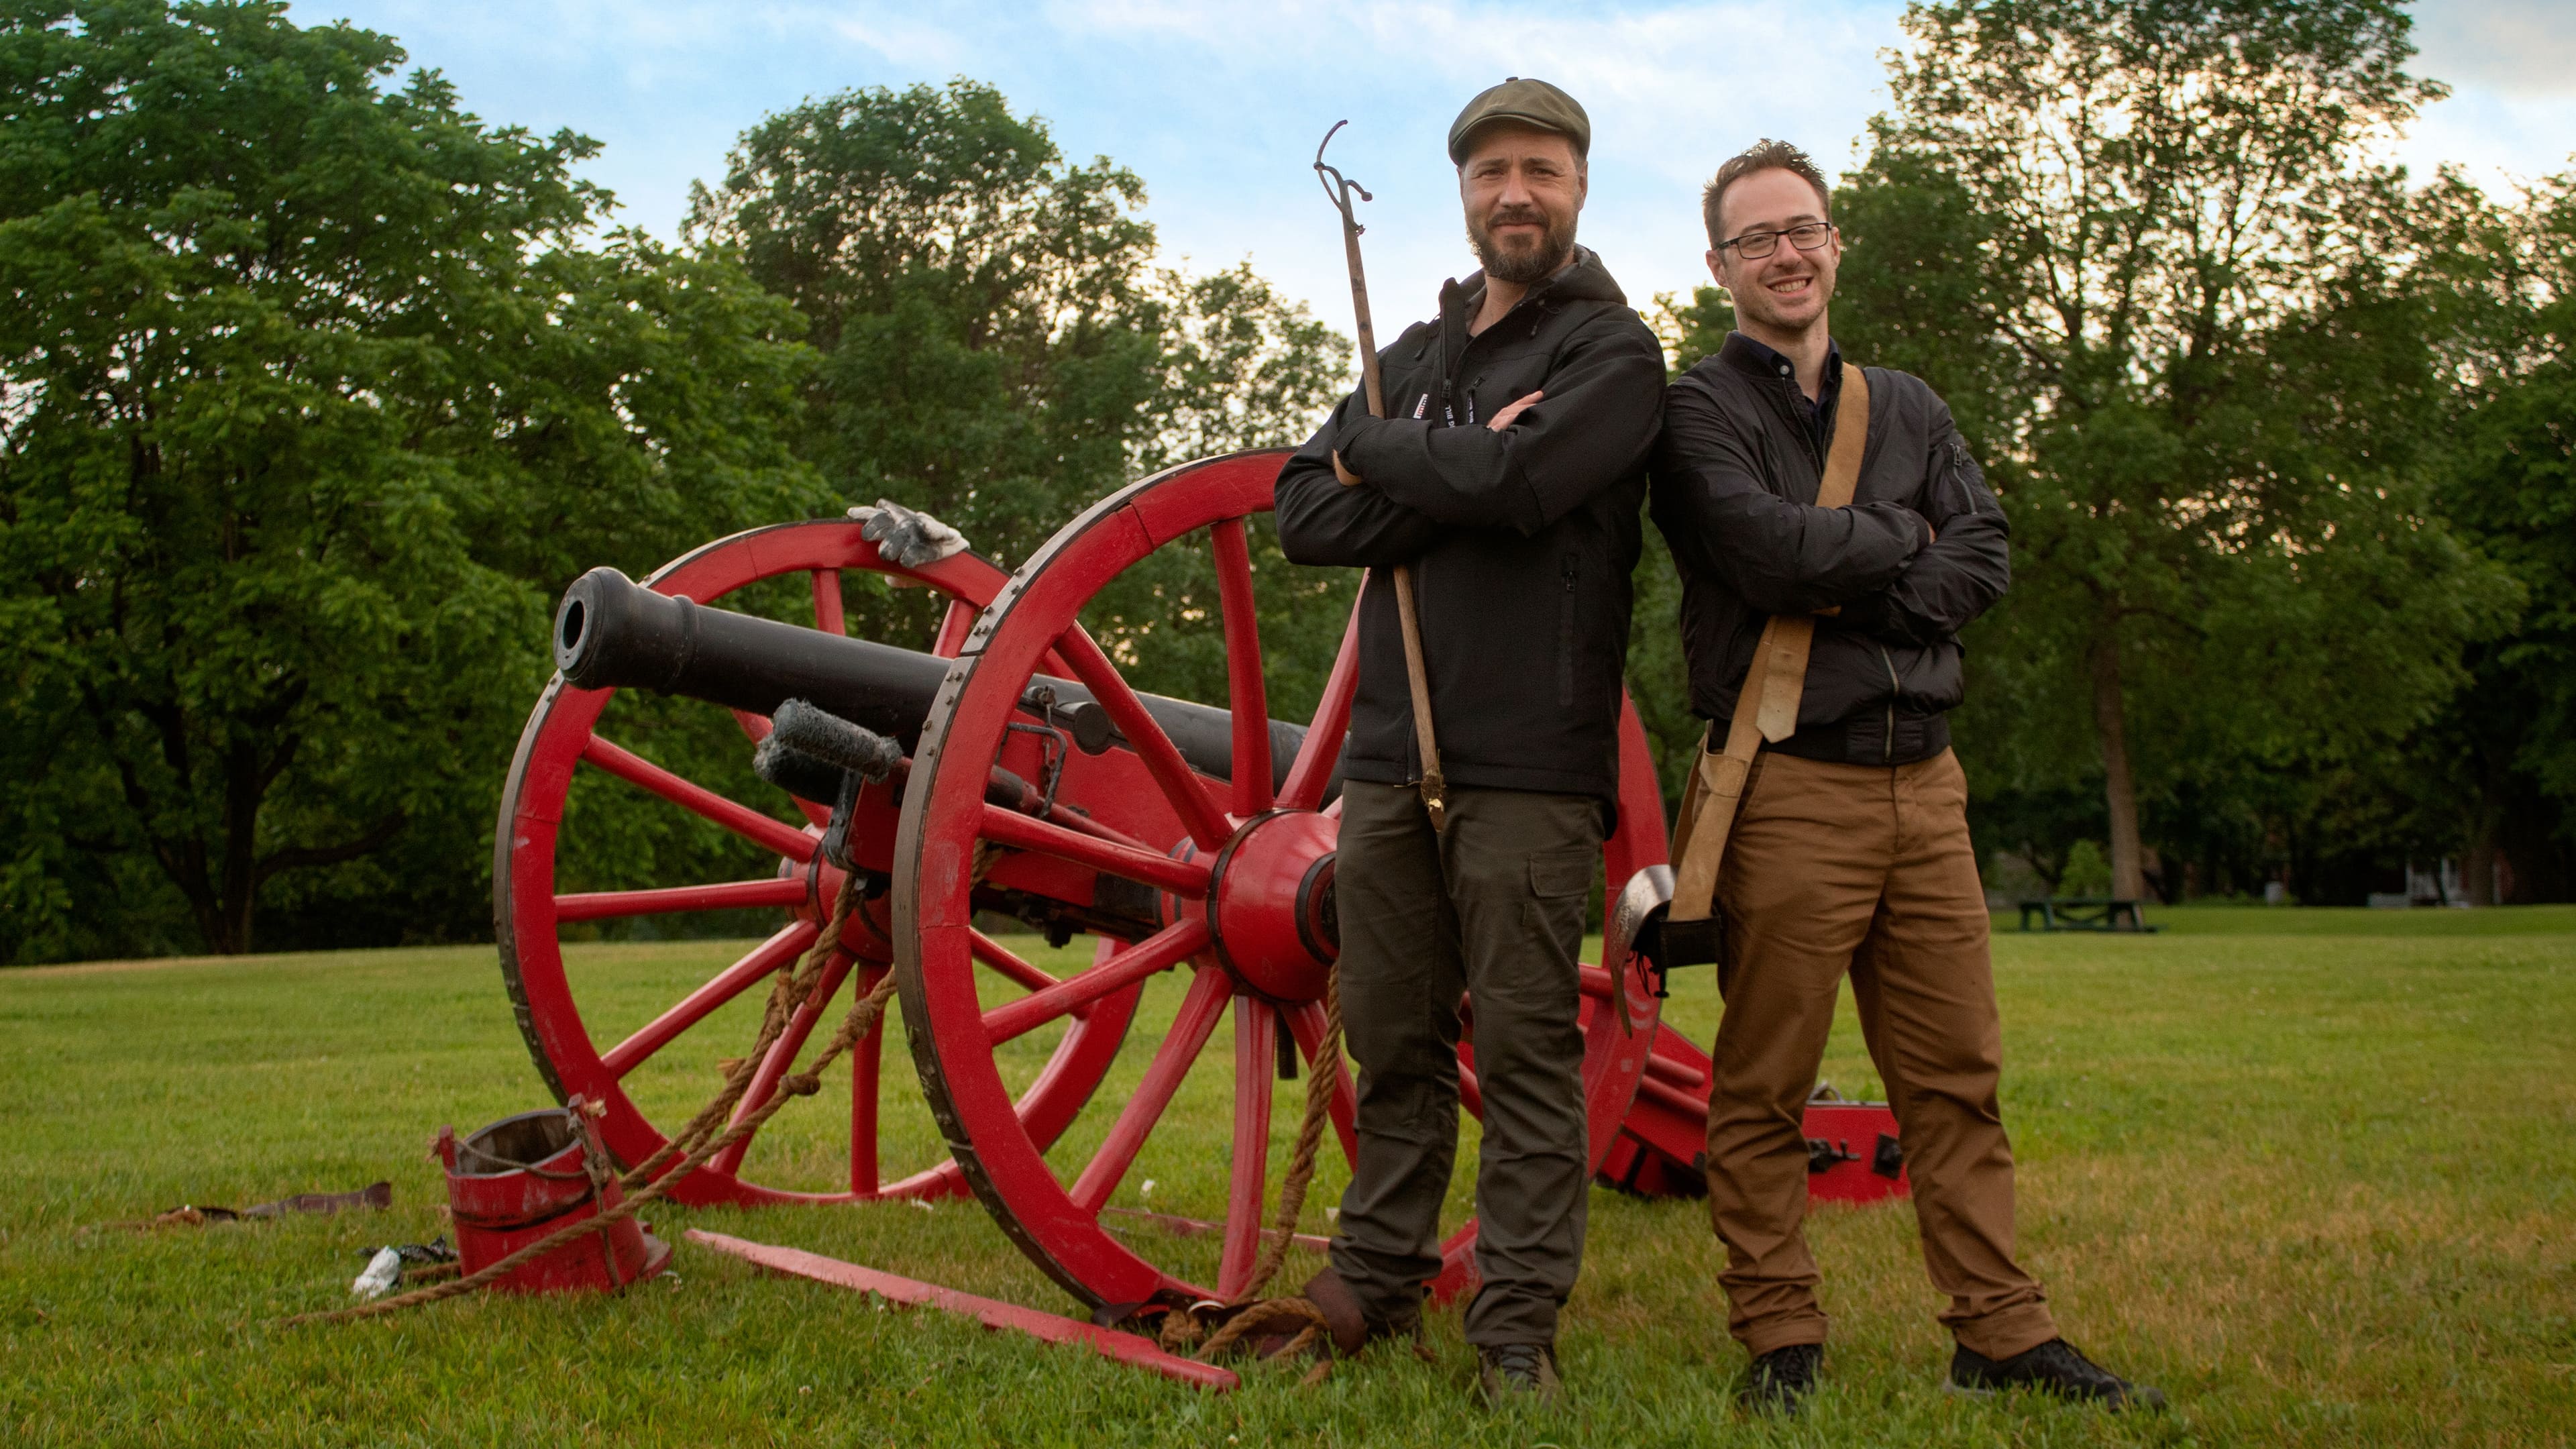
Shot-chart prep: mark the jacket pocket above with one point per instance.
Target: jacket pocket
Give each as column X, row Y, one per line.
column 1565, row 644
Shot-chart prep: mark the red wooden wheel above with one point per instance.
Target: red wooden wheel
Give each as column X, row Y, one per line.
column 1234, row 868
column 574, row 1030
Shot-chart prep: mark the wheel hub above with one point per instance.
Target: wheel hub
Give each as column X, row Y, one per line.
column 1270, row 905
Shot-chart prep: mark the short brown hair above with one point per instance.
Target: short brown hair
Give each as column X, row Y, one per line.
column 1763, row 155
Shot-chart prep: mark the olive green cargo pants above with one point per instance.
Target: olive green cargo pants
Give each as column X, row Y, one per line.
column 1493, row 908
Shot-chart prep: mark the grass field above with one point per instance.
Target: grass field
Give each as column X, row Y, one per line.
column 2313, row 1172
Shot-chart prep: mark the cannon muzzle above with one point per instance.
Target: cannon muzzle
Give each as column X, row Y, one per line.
column 613, row 633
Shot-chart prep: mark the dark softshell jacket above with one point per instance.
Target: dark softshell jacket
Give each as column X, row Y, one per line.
column 1735, row 481
column 1521, row 542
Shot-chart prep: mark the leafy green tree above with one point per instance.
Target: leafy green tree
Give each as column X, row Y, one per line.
column 2142, row 247
column 2510, row 483
column 311, row 398
column 999, row 348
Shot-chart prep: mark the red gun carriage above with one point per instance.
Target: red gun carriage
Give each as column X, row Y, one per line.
column 1182, row 838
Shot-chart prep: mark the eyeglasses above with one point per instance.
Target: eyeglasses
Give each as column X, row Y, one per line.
column 1755, row 245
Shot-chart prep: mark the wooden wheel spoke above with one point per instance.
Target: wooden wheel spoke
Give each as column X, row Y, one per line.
column 866, row 1055
column 1256, row 1062
column 698, row 800
column 1191, row 1027
column 1160, row 951
column 1081, row 824
column 1027, row 832
column 827, row 601
column 1010, row 967
column 1323, row 744
column 1246, row 694
column 1180, row 784
column 729, row 983
column 732, row 895
column 954, row 626
column 781, row 1057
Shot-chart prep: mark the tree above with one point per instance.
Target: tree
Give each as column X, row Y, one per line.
column 311, row 398
column 2141, row 247
column 2510, row 483
column 999, row 349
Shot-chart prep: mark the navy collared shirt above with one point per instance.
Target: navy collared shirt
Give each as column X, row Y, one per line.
column 1819, row 409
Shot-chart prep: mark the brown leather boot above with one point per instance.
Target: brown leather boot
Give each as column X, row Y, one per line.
column 1347, row 1326
column 1344, row 1320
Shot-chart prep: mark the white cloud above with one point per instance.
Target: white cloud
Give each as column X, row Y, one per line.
column 1219, row 106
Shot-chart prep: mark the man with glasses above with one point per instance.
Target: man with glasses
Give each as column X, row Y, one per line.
column 1849, row 850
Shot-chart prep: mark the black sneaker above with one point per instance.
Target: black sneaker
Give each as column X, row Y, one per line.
column 2052, row 1368
column 1517, row 1372
column 1780, row 1381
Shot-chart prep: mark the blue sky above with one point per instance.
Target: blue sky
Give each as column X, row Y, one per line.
column 1219, row 107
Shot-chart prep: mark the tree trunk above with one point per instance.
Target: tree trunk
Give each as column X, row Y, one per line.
column 2478, row 871
column 2119, row 787
column 244, row 788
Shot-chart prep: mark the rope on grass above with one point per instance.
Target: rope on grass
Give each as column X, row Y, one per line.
column 1294, row 1314
column 793, row 988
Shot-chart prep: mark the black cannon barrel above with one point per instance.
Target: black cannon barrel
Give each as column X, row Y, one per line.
column 613, row 633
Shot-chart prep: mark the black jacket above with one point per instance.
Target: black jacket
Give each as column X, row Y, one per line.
column 1521, row 541
column 1735, row 480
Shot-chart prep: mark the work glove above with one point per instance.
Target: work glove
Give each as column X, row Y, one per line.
column 910, row 539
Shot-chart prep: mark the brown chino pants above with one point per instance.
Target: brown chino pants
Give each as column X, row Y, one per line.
column 1837, row 867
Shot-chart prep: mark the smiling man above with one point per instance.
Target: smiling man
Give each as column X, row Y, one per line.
column 1792, row 485
column 1507, row 479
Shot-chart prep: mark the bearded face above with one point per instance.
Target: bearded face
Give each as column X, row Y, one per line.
column 1521, row 243
column 1522, row 189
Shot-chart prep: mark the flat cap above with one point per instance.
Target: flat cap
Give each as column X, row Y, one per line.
column 1530, row 102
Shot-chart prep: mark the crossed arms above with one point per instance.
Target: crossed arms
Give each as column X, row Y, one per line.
column 1533, row 463
column 1911, row 571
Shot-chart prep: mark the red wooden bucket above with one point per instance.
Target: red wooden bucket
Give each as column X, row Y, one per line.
column 517, row 1180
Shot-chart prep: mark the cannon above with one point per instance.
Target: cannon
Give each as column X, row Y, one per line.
column 1193, row 844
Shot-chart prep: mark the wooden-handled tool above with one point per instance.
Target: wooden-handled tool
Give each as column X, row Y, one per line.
column 1435, row 788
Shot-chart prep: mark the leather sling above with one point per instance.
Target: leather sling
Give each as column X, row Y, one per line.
column 1766, row 709
column 1433, row 785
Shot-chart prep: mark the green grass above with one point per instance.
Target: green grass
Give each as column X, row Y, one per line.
column 2312, row 1172
column 2216, row 920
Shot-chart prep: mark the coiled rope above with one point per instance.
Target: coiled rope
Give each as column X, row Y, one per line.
column 699, row 1140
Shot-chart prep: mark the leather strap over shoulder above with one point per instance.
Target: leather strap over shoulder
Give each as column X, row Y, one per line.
column 1767, row 707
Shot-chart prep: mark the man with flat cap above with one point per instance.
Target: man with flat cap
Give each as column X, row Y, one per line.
column 1506, row 480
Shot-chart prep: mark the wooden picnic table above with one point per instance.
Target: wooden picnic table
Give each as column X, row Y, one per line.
column 2083, row 913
